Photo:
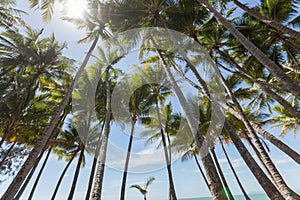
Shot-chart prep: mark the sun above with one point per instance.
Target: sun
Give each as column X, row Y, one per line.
column 75, row 8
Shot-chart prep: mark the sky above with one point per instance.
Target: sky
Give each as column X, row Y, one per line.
column 187, row 178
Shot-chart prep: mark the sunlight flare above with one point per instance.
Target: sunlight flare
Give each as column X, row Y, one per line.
column 75, row 8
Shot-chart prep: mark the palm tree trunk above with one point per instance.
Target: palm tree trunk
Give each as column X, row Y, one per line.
column 168, row 163
column 91, row 179
column 265, row 88
column 7, row 153
column 28, row 178
column 63, row 174
column 201, row 171
column 41, row 143
column 258, row 173
column 97, row 189
column 279, row 181
column 278, row 143
column 76, row 174
column 261, row 177
column 226, row 187
column 214, row 181
column 39, row 174
column 269, row 21
column 234, row 173
column 123, row 187
column 62, row 119
column 249, row 141
column 277, row 72
column 93, row 169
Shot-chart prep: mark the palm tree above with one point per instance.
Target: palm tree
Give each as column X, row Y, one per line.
column 39, row 174
column 234, row 172
column 261, row 177
column 138, row 106
column 276, row 71
column 97, row 29
column 288, row 6
column 9, row 16
column 285, row 120
column 97, row 189
column 157, row 93
column 144, row 190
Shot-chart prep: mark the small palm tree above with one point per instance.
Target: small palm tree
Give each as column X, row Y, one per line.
column 144, row 190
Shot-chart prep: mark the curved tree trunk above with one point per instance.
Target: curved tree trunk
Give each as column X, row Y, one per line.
column 123, row 186
column 269, row 21
column 172, row 193
column 226, row 187
column 277, row 72
column 62, row 175
column 213, row 179
column 261, row 85
column 28, row 178
column 91, row 179
column 234, row 173
column 98, row 182
column 93, row 169
column 41, row 143
column 201, row 171
column 278, row 180
column 266, row 184
column 261, row 177
column 249, row 141
column 7, row 153
column 39, row 174
column 76, row 174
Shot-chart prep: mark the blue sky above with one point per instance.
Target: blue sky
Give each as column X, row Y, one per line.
column 188, row 181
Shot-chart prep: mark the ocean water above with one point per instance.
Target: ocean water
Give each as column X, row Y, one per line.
column 236, row 197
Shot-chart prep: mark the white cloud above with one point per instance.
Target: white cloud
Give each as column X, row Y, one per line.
column 148, row 159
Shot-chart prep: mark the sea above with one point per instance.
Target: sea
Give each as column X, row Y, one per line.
column 236, row 197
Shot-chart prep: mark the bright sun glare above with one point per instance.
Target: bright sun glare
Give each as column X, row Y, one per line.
column 75, row 8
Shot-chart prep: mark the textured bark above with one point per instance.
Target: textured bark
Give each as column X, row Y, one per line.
column 97, row 189
column 123, row 186
column 266, row 184
column 39, row 174
column 262, row 86
column 262, row 153
column 269, row 21
column 201, row 171
column 225, row 184
column 278, row 143
column 277, row 72
column 28, row 178
column 41, row 143
column 93, row 169
column 91, row 179
column 234, row 173
column 76, row 174
column 260, row 176
column 253, row 147
column 211, row 172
